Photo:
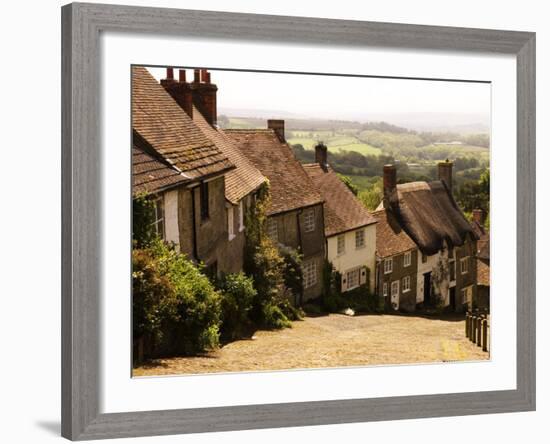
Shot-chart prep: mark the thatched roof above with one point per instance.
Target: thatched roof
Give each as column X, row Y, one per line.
column 430, row 216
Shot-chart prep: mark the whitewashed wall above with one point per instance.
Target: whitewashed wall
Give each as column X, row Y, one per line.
column 171, row 229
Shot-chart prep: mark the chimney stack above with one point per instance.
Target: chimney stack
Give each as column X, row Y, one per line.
column 321, row 155
column 479, row 216
column 179, row 90
column 390, row 181
column 445, row 171
column 278, row 126
column 204, row 95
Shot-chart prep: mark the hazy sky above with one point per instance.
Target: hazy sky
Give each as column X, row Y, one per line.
column 288, row 95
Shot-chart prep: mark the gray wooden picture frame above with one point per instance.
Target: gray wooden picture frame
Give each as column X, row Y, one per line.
column 81, row 231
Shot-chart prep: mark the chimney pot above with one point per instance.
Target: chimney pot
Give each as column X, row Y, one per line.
column 321, row 155
column 390, row 180
column 204, row 72
column 208, row 77
column 170, row 73
column 278, row 126
column 182, row 75
column 445, row 172
column 197, row 76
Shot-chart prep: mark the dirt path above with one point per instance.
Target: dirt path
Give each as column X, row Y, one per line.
column 334, row 341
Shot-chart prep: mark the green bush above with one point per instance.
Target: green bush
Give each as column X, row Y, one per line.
column 273, row 317
column 174, row 301
column 143, row 216
column 238, row 294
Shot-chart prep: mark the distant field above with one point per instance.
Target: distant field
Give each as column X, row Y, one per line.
column 363, row 182
column 344, row 143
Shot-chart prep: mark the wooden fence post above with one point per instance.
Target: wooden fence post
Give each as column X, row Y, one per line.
column 485, row 331
column 479, row 321
column 473, row 329
column 467, row 324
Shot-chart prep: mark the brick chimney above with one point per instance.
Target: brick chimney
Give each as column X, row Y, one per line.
column 445, row 173
column 479, row 216
column 180, row 90
column 390, row 181
column 204, row 95
column 278, row 126
column 321, row 155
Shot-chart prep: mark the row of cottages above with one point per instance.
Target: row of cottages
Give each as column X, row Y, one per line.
column 483, row 259
column 201, row 182
column 426, row 249
column 295, row 214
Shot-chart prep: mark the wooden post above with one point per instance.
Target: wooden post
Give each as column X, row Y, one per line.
column 474, row 328
column 485, row 331
column 479, row 321
column 467, row 324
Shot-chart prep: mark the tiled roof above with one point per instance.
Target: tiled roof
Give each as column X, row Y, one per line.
column 430, row 215
column 170, row 131
column 390, row 237
column 483, row 273
column 343, row 211
column 290, row 186
column 245, row 178
column 150, row 174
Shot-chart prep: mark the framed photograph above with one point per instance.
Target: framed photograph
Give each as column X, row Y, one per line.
column 278, row 221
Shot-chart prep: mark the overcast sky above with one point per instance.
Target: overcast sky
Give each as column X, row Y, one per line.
column 349, row 98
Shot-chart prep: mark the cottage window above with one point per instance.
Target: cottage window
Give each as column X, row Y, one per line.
column 309, row 221
column 359, row 239
column 388, row 265
column 352, row 278
column 205, row 211
column 273, row 229
column 158, row 224
column 466, row 295
column 341, row 248
column 407, row 259
column 309, row 271
column 241, row 215
column 385, row 289
column 230, row 223
column 394, row 289
column 452, row 270
column 406, row 285
column 464, row 265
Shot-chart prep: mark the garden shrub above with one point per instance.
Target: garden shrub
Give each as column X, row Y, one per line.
column 186, row 313
column 273, row 317
column 143, row 216
column 238, row 294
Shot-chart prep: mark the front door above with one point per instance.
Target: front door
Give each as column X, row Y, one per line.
column 452, row 298
column 427, row 288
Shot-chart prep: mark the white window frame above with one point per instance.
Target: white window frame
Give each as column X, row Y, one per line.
column 341, row 251
column 241, row 215
column 355, row 271
column 309, row 273
column 406, row 284
column 385, row 289
column 466, row 295
column 396, row 292
column 407, row 259
column 388, row 265
column 230, row 223
column 158, row 223
column 273, row 229
column 464, row 268
column 309, row 221
column 452, row 270
column 360, row 234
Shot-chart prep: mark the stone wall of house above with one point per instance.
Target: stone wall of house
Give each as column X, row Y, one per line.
column 407, row 300
column 185, row 222
column 463, row 280
column 291, row 232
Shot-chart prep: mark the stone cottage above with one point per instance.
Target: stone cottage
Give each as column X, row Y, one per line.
column 295, row 213
column 397, row 264
column 174, row 161
column 198, row 100
column 428, row 213
column 350, row 230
